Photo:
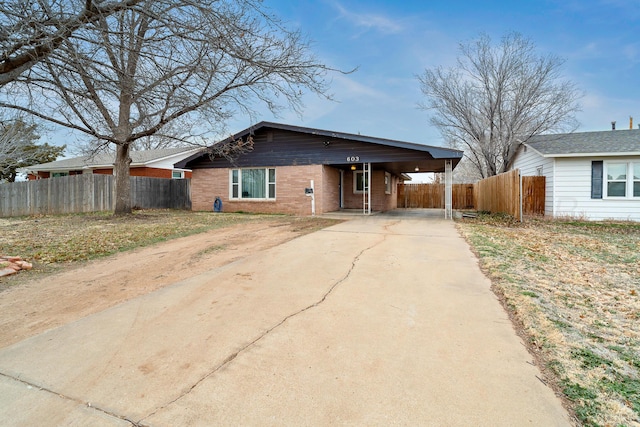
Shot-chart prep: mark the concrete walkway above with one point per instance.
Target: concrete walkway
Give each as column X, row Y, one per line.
column 379, row 320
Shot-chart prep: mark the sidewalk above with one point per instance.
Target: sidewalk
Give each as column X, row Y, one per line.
column 376, row 321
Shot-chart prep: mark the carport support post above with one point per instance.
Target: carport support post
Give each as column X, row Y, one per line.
column 366, row 183
column 448, row 186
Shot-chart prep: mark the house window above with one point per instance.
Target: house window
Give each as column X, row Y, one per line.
column 56, row 174
column 636, row 179
column 387, row 183
column 360, row 183
column 177, row 174
column 252, row 183
column 622, row 179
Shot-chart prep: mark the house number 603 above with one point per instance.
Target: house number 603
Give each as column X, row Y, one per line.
column 353, row 158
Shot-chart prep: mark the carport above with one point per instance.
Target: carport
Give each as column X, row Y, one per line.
column 400, row 169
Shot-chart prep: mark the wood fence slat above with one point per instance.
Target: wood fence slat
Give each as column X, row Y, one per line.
column 533, row 195
column 500, row 193
column 431, row 196
column 89, row 193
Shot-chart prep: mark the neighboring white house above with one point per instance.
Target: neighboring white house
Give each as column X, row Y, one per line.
column 592, row 175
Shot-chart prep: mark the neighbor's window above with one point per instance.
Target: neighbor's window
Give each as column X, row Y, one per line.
column 616, row 179
column 636, row 179
column 252, row 183
column 387, row 183
column 360, row 184
column 177, row 174
column 623, row 179
column 56, row 174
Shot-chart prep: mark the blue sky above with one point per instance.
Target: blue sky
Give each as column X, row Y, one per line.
column 392, row 41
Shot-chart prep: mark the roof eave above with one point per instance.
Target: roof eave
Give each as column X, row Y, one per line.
column 597, row 154
column 187, row 153
column 533, row 148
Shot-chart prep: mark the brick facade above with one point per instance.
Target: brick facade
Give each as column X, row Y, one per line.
column 331, row 189
column 207, row 184
column 380, row 201
column 155, row 172
column 103, row 171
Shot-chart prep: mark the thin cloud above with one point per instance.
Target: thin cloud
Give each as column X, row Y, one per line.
column 348, row 88
column 370, row 21
column 632, row 52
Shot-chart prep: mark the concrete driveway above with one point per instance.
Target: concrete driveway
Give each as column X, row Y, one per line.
column 381, row 320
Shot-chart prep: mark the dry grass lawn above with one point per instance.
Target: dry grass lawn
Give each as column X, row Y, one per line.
column 573, row 287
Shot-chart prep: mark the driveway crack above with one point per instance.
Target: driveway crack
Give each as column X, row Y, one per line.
column 71, row 399
column 244, row 348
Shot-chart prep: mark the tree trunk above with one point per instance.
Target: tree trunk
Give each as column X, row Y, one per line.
column 123, row 184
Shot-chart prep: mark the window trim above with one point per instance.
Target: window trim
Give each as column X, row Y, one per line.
column 268, row 184
column 387, row 183
column 629, row 181
column 174, row 171
column 633, row 180
column 355, row 182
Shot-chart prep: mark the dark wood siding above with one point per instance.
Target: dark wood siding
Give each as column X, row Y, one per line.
column 286, row 148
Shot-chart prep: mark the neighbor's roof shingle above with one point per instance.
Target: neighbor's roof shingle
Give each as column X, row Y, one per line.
column 108, row 159
column 609, row 142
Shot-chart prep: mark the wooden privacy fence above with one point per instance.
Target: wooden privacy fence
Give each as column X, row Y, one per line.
column 533, row 195
column 500, row 193
column 90, row 193
column 511, row 194
column 431, row 196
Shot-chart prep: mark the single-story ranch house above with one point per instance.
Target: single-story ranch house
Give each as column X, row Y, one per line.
column 303, row 171
column 592, row 175
column 150, row 163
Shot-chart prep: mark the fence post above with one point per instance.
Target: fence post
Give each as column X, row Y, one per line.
column 520, row 196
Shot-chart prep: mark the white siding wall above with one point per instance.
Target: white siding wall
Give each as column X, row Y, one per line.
column 573, row 193
column 528, row 162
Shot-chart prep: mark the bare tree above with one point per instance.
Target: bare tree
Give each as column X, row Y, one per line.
column 14, row 136
column 130, row 75
column 18, row 148
column 496, row 98
column 168, row 137
column 31, row 29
